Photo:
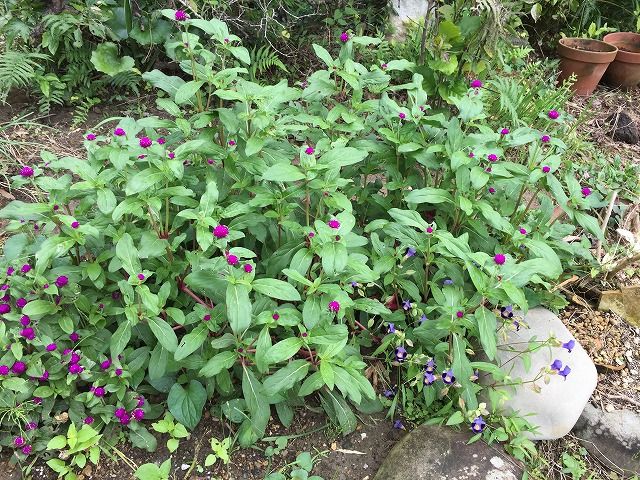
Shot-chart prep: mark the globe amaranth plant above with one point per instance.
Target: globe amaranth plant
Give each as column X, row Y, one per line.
column 248, row 250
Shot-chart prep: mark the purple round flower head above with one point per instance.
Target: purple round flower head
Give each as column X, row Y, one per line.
column 6, row 298
column 447, row 282
column 75, row 224
column 429, row 230
column 4, row 287
column 553, row 114
column 19, row 368
column 220, row 231
column 384, row 67
column 506, row 312
column 401, row 354
column 75, row 369
column 161, row 141
column 522, row 231
column 31, row 426
column 37, row 400
column 478, row 425
column 26, row 268
column 27, row 449
column 586, row 191
column 45, row 376
column 51, row 347
column 124, row 420
column 476, row 83
column 402, row 116
column 545, row 138
column 141, row 276
column 471, row 155
column 334, row 306
column 492, row 157
column 556, row 365
column 231, row 143
column 488, row 169
column 140, row 401
column 105, row 364
column 138, row 414
column 118, row 372
column 4, row 370
column 546, row 169
column 18, row 441
column 309, row 151
column 232, row 260
column 499, row 258
column 61, row 281
column 181, row 16
column 172, row 155
column 570, row 345
column 4, row 308
column 431, row 366
column 99, row 391
column 119, row 132
column 459, row 314
column 88, row 420
column 145, row 142
column 492, row 190
column 333, row 223
column 428, row 378
column 28, row 333
column 406, row 305
column 74, row 337
column 423, row 318
column 248, row 268
column 115, row 295
column 21, row 302
column 344, row 37
column 448, row 377
column 91, row 137
column 565, row 372
column 120, row 413
column 311, row 234
column 410, row 252
column 26, row 172
column 10, row 271
column 504, row 131
column 66, row 351
column 210, row 161
column 391, row 328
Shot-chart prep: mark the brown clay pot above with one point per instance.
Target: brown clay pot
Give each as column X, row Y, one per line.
column 624, row 71
column 587, row 59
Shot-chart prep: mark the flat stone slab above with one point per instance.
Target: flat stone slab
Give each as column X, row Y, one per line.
column 556, row 406
column 612, row 437
column 625, row 302
column 441, row 453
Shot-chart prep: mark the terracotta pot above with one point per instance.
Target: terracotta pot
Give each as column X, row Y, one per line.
column 624, row 71
column 587, row 59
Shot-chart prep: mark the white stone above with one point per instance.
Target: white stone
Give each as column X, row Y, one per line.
column 406, row 11
column 556, row 409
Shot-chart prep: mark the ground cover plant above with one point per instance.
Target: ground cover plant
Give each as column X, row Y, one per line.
column 257, row 249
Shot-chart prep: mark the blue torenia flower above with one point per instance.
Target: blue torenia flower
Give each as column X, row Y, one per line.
column 565, row 372
column 569, row 345
column 447, row 281
column 448, row 377
column 410, row 252
column 478, row 424
column 423, row 318
column 429, row 378
column 401, row 354
column 391, row 328
column 406, row 305
column 506, row 311
column 556, row 365
column 390, row 393
column 430, row 367
column 398, row 424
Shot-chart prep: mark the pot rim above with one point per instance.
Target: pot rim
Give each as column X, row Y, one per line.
column 623, row 55
column 607, row 55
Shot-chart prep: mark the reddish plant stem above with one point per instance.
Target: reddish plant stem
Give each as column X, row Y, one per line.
column 186, row 290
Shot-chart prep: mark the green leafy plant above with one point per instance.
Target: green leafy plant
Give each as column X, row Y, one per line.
column 300, row 469
column 151, row 471
column 220, row 452
column 175, row 430
column 76, row 449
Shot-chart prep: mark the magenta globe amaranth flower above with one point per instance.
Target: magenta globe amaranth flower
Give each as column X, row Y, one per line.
column 91, row 137
column 138, row 414
column 231, row 143
column 27, row 449
column 19, row 441
column 120, row 413
column 478, row 425
column 145, row 142
column 499, row 258
column 334, row 306
column 161, row 141
column 51, row 347
column 37, row 400
column 88, row 421
column 19, row 367
column 384, row 66
column 118, row 372
column 546, row 169
column 429, row 230
column 28, row 333
column 586, row 191
column 448, row 377
column 400, row 354
column 119, row 132
column 99, row 391
column 21, row 302
column 181, row 16
column 333, row 223
column 61, row 281
column 492, row 190
column 545, row 138
column 4, row 308
column 492, row 157
column 74, row 337
column 553, row 114
column 459, row 314
column 26, row 172
column 309, row 151
column 4, row 370
column 402, row 116
column 75, row 224
column 248, row 268
column 31, row 426
column 476, row 83
column 26, row 268
column 75, row 369
column 220, row 231
column 141, row 276
column 140, row 401
column 522, row 231
column 504, row 131
column 104, row 365
column 232, row 260
column 75, row 357
column 344, row 37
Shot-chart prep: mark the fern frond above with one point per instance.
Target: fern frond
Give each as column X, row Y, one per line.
column 263, row 59
column 126, row 81
column 81, row 111
column 18, row 70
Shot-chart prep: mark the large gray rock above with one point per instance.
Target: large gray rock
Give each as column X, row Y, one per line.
column 441, row 453
column 612, row 437
column 405, row 11
column 556, row 407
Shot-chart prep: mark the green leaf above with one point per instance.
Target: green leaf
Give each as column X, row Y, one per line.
column 57, row 443
column 283, row 350
column 276, row 289
column 106, row 60
column 128, row 255
column 286, row 377
column 209, row 199
column 456, row 418
column 186, row 404
column 323, row 54
column 163, row 81
column 120, row 338
column 143, row 181
column 187, row 92
column 164, row 333
column 191, row 342
column 221, row 361
column 141, row 438
column 343, row 156
column 428, row 195
column 487, row 325
column 283, row 172
column 238, row 307
column 38, row 308
column 372, row 306
column 334, row 257
column 16, row 384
